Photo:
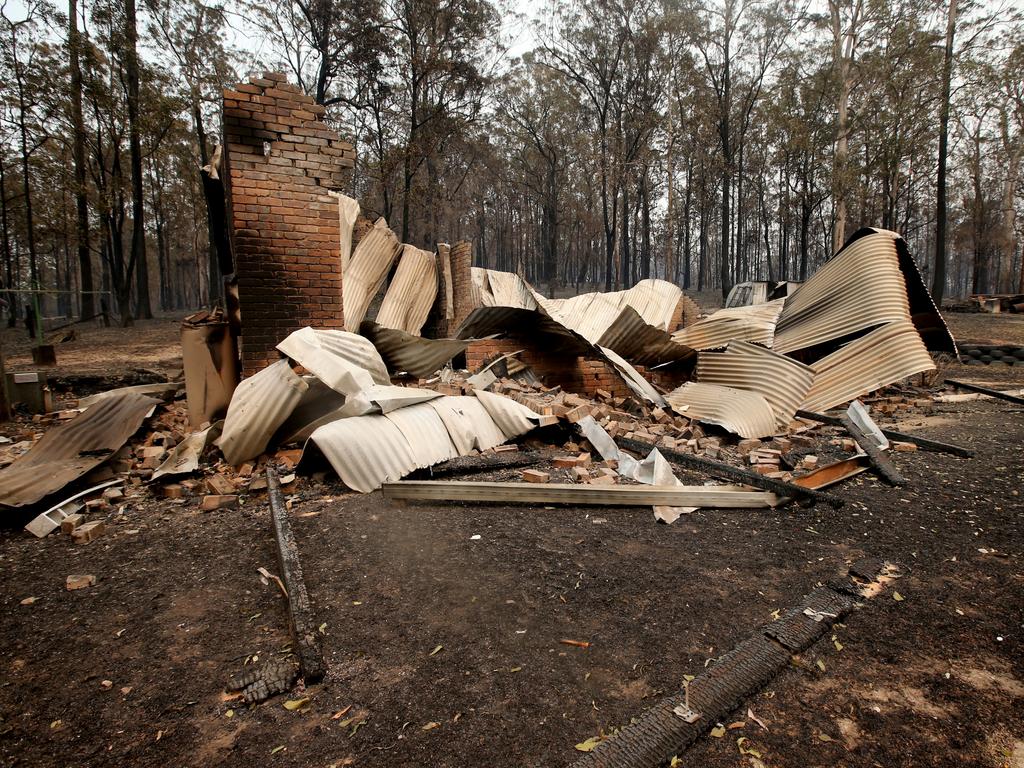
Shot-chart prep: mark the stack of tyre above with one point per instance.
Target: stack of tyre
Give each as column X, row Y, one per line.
column 992, row 354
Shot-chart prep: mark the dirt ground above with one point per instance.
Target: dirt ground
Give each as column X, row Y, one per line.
column 444, row 649
column 148, row 349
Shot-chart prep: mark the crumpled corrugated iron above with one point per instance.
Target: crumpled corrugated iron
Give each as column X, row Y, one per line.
column 781, row 380
column 755, row 324
column 633, row 338
column 259, row 405
column 70, row 450
column 747, row 414
column 411, row 293
column 415, row 355
column 368, row 451
column 865, row 285
column 366, row 272
column 346, row 362
column 875, row 360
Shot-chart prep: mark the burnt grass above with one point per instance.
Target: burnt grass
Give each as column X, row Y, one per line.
column 423, row 624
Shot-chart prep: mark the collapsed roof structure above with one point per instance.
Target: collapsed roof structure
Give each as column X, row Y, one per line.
column 334, row 315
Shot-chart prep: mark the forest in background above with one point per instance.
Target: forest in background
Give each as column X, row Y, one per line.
column 707, row 143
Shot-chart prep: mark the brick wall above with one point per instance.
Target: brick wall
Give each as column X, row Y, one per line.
column 462, row 282
column 280, row 162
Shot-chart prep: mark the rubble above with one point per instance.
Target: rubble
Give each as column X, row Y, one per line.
column 735, row 397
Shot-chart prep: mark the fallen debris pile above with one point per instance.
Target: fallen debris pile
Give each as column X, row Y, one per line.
column 735, row 397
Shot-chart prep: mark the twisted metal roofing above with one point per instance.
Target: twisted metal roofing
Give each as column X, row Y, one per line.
column 754, row 324
column 641, row 343
column 260, row 404
column 367, row 451
column 782, row 381
column 370, row 263
column 69, row 450
column 861, row 287
column 346, row 362
column 748, row 414
column 877, row 359
column 412, row 292
column 414, row 355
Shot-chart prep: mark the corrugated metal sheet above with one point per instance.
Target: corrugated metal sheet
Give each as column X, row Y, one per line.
column 782, row 381
column 884, row 355
column 591, row 314
column 346, row 362
column 640, row 386
column 390, row 398
column 493, row 288
column 366, row 272
column 487, row 321
column 415, row 355
column 412, row 292
column 318, row 405
column 367, row 451
column 755, row 324
column 643, row 344
column 348, row 212
column 259, row 405
column 70, row 450
column 923, row 312
column 469, row 425
column 748, row 414
column 511, row 417
column 588, row 314
column 161, row 388
column 426, row 433
column 861, row 287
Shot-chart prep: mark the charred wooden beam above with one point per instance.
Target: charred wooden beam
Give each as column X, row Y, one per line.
column 879, row 460
column 725, row 471
column 986, row 391
column 300, row 613
column 921, row 442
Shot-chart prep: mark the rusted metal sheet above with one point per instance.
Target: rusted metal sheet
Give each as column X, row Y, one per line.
column 260, row 405
column 642, row 343
column 412, row 292
column 748, row 414
column 830, row 474
column 782, row 381
column 415, row 355
column 884, row 355
column 70, row 450
column 755, row 324
column 346, row 362
column 366, row 272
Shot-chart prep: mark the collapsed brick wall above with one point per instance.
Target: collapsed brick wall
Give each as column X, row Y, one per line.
column 581, row 375
column 280, row 162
